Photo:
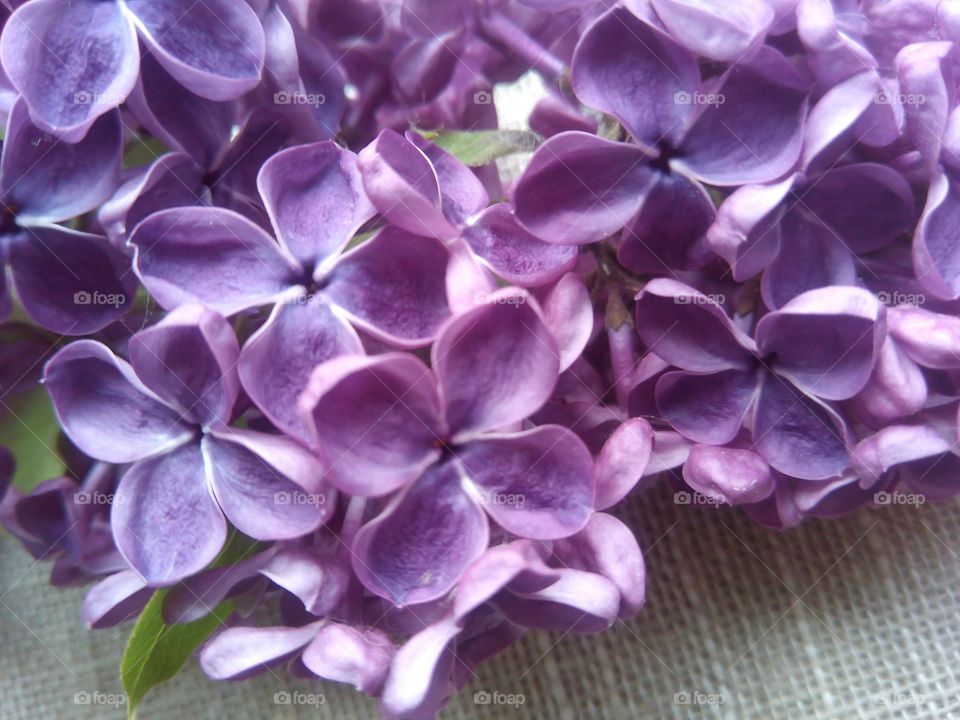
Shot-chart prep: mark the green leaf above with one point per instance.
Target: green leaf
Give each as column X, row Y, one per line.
column 29, row 428
column 481, row 147
column 143, row 152
column 156, row 651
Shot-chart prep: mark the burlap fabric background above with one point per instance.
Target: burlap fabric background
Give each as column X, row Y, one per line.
column 854, row 618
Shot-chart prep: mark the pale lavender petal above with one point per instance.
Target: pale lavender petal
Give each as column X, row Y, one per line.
column 116, row 598
column 164, row 518
column 568, row 312
column 936, row 243
column 241, row 652
column 896, row 389
column 346, row 654
column 105, row 409
column 419, row 679
column 580, row 602
column 729, row 475
column 715, row 29
column 930, row 339
column 622, row 462
column 315, row 199
column 925, row 70
column 71, row 61
column 420, row 545
column 496, row 364
column 536, row 484
column 897, row 445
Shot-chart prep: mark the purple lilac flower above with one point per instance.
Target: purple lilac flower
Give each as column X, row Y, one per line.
column 167, row 411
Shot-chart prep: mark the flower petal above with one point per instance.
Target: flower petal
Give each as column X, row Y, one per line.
column 936, row 250
column 164, row 518
column 419, row 679
column 715, row 29
column 629, row 69
column 579, row 188
column 826, row 340
column 621, row 462
column 403, row 186
column 393, row 287
column 114, row 599
column 689, row 329
column 345, row 654
column 896, row 389
column 315, row 199
column 213, row 47
column 210, row 256
column 669, row 230
column 259, row 482
column 798, row 435
column 496, row 364
column 419, row 546
column 104, row 408
column 925, row 70
column 580, row 602
column 568, row 312
column 241, row 652
column 71, row 61
column 462, row 194
column 377, row 420
column 706, row 408
column 536, row 484
column 189, row 359
column 70, row 282
column 50, row 180
column 276, row 362
column 512, row 252
column 930, row 339
column 729, row 475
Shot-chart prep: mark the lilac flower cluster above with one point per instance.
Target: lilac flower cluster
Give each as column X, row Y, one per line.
column 416, row 387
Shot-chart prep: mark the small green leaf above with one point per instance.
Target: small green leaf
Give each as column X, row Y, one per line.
column 143, row 152
column 481, row 147
column 156, row 651
column 29, row 428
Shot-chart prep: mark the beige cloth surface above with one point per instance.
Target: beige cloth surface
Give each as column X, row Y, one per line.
column 855, row 618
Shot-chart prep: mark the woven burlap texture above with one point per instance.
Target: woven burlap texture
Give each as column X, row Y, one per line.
column 855, row 618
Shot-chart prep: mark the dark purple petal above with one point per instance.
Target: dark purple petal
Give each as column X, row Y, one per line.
column 70, row 282
column 496, row 364
column 419, row 546
column 796, row 434
column 241, row 652
column 755, row 135
column 513, row 253
column 462, row 194
column 706, row 408
column 210, row 256
column 189, row 359
column 276, row 362
column 827, row 340
column 377, row 420
column 105, row 409
column 811, row 256
column 315, row 199
column 690, row 330
column 403, row 186
column 71, row 61
column 165, row 520
column 213, row 47
column 267, row 485
column 669, row 232
column 393, row 287
column 345, row 654
column 579, row 188
column 49, row 180
column 638, row 74
column 729, row 475
column 536, row 484
column 622, row 461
